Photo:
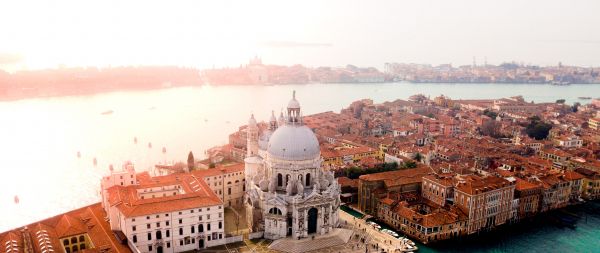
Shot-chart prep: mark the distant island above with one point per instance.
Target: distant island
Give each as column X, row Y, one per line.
column 80, row 81
column 503, row 73
column 91, row 80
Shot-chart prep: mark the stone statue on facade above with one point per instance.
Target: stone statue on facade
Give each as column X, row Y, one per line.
column 300, row 188
column 272, row 184
column 317, row 187
column 289, row 188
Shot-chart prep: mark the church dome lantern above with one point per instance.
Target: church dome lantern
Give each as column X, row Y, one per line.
column 293, row 140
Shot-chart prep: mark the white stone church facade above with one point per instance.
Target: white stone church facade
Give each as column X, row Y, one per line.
column 287, row 192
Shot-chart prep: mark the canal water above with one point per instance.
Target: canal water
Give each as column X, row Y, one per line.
column 41, row 137
column 540, row 234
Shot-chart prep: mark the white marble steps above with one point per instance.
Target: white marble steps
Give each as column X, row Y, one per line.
column 337, row 237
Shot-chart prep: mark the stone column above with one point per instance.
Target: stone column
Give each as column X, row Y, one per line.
column 322, row 220
column 305, row 228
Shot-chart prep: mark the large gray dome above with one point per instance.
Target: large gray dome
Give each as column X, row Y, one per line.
column 294, row 143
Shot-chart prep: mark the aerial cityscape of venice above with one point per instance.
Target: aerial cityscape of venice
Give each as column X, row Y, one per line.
column 279, row 126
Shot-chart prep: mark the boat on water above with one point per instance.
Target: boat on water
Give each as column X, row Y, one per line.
column 406, row 245
column 375, row 225
column 390, row 232
column 107, row 112
column 560, row 83
column 585, row 97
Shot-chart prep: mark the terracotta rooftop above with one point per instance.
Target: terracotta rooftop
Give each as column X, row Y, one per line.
column 345, row 181
column 476, row 185
column 196, row 193
column 523, row 185
column 398, row 177
column 46, row 234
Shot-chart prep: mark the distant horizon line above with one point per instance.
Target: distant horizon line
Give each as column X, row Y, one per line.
column 64, row 66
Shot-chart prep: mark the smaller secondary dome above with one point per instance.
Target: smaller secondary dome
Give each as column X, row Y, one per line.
column 252, row 121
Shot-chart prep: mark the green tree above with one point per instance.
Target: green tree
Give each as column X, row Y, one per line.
column 560, row 101
column 538, row 130
column 191, row 161
column 575, row 107
column 491, row 128
column 409, row 164
column 390, row 166
column 418, row 157
column 490, row 114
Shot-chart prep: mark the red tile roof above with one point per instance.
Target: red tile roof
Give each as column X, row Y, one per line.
column 196, row 194
column 476, row 185
column 47, row 233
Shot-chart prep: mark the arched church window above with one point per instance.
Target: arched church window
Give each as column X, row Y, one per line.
column 308, row 179
column 275, row 210
column 279, row 180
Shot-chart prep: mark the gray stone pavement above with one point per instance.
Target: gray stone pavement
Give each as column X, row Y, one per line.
column 359, row 240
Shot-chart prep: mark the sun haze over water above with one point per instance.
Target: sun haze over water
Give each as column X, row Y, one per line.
column 47, row 34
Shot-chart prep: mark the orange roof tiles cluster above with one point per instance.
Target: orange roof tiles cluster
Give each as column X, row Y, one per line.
column 476, row 185
column 196, row 193
column 45, row 235
column 398, row 177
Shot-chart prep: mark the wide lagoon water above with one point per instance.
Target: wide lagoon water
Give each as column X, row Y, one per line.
column 40, row 137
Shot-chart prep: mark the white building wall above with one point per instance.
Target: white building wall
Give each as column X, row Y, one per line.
column 176, row 242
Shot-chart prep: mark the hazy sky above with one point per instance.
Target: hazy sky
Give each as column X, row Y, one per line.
column 201, row 33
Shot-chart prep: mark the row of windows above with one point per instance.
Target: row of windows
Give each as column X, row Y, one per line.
column 164, row 195
column 288, row 177
column 167, row 223
column 180, row 213
column 74, row 240
column 75, row 248
column 228, row 175
column 168, row 232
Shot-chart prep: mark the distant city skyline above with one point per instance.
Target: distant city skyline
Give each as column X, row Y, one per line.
column 312, row 33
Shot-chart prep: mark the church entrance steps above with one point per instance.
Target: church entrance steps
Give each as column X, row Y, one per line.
column 336, row 237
